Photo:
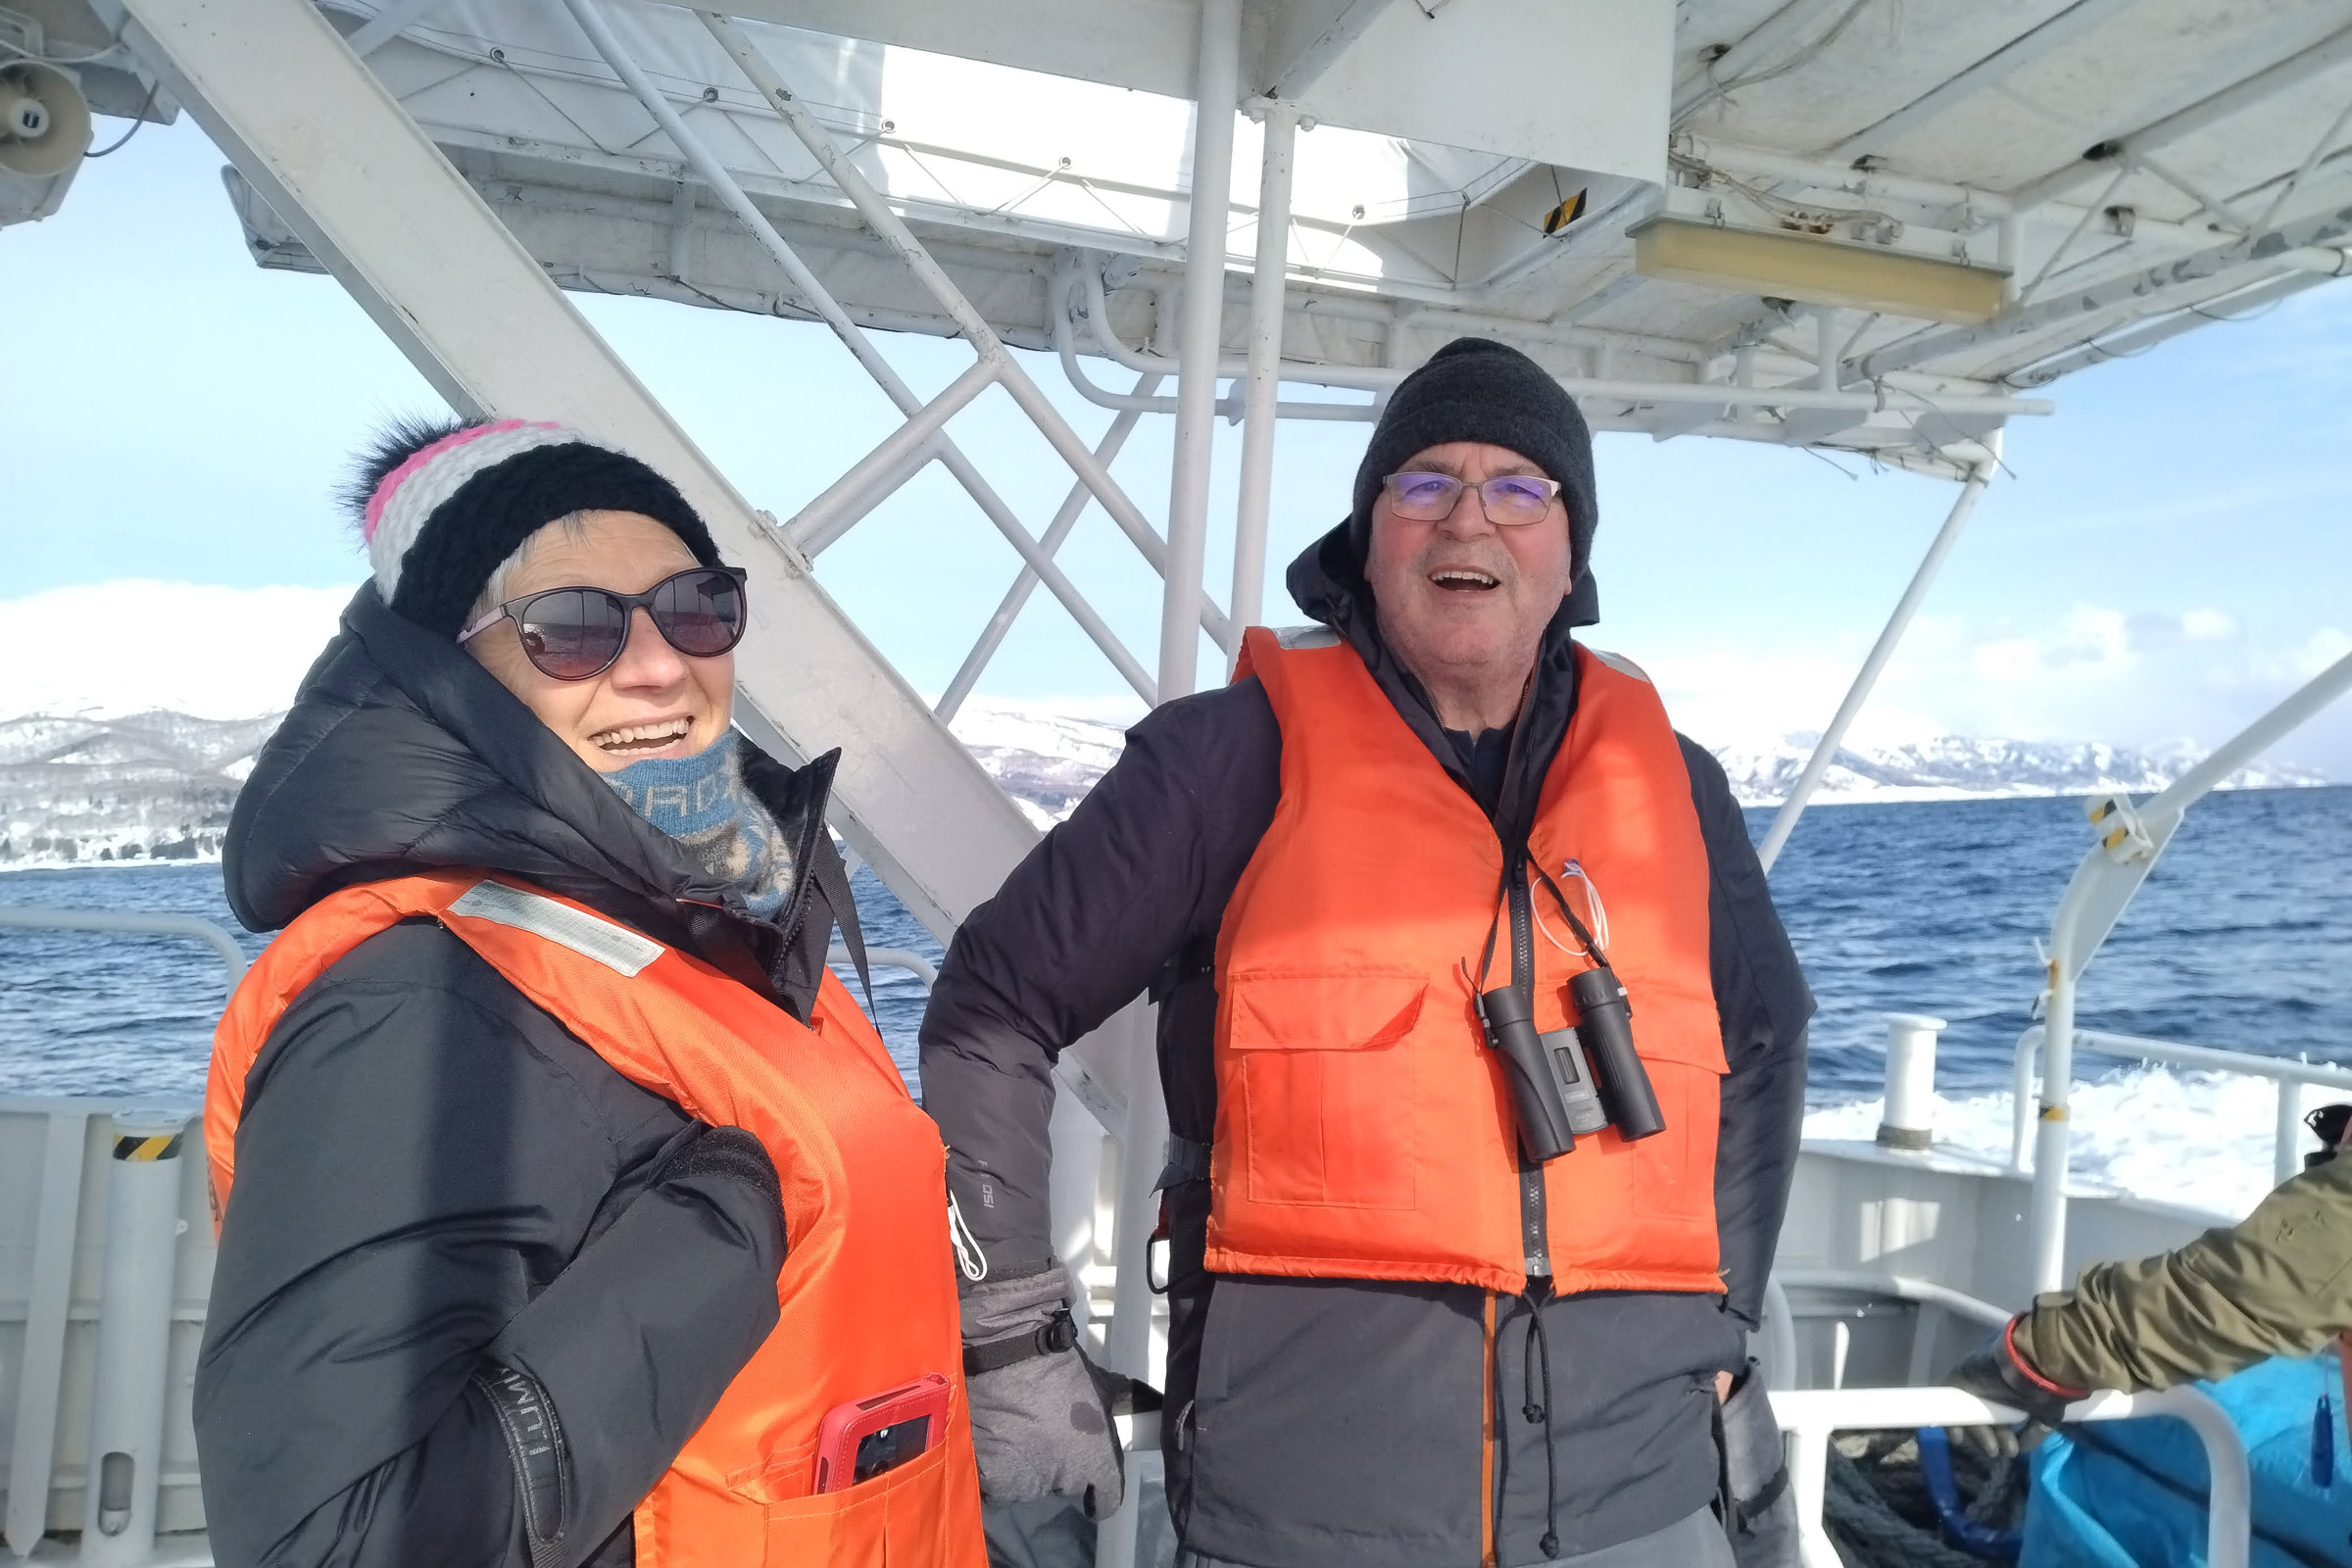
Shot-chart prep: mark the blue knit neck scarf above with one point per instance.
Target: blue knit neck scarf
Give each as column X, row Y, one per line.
column 702, row 802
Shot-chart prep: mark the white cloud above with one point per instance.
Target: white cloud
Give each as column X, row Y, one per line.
column 123, row 646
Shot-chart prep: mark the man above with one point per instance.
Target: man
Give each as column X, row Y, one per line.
column 2277, row 1283
column 1399, row 1339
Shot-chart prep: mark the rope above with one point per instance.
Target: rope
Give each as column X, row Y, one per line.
column 1877, row 1511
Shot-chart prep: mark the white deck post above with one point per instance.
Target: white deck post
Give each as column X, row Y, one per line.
column 1217, row 90
column 1881, row 652
column 2046, row 1216
column 1264, row 380
column 134, row 1339
column 1908, row 1118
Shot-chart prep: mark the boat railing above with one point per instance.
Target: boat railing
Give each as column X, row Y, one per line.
column 2287, row 1076
column 1809, row 1416
column 925, row 973
column 37, row 917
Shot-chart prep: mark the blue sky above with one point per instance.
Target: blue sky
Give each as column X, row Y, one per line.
column 2169, row 555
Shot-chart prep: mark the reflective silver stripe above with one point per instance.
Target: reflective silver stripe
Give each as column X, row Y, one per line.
column 1297, row 637
column 615, row 947
column 1621, row 664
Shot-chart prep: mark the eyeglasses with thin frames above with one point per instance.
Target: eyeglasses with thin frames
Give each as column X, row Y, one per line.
column 1510, row 499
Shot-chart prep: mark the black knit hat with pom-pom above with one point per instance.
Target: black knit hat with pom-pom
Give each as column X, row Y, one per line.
column 442, row 504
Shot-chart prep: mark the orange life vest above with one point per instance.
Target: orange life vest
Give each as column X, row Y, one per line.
column 867, row 1296
column 1364, row 1129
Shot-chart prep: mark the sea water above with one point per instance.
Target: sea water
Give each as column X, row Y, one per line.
column 2241, row 939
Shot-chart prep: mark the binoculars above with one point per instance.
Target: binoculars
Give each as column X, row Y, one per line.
column 1574, row 1080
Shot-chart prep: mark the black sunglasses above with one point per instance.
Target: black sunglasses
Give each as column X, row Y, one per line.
column 575, row 633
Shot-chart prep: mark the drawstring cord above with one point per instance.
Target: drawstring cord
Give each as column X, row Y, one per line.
column 1536, row 1353
column 968, row 1257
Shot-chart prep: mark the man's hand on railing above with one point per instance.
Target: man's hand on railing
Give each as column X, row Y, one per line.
column 1998, row 1372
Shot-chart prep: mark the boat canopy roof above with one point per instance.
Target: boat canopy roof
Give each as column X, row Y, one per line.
column 1941, row 207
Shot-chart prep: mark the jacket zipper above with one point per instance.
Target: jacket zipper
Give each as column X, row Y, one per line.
column 1532, row 1226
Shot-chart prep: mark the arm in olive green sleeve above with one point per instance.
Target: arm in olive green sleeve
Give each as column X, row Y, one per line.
column 2280, row 1283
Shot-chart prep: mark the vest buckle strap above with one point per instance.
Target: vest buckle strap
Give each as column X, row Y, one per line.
column 1188, row 1161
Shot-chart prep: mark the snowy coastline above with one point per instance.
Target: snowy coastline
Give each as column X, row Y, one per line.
column 157, row 787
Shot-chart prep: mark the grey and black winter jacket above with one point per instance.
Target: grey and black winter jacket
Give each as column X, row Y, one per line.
column 437, row 1184
column 1330, row 1422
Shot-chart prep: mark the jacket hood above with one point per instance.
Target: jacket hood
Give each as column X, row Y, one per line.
column 402, row 755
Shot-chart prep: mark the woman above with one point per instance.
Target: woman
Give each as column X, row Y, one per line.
column 535, row 1135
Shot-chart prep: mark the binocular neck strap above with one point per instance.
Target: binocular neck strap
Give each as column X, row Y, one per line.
column 1502, row 897
column 1576, row 926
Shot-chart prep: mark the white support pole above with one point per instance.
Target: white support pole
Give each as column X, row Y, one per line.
column 1905, row 608
column 1264, row 380
column 134, row 1339
column 991, row 636
column 1216, row 92
column 2045, row 1214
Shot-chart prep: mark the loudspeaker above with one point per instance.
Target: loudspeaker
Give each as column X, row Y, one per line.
column 44, row 121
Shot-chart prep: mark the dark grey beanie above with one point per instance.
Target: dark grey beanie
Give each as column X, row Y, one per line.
column 1476, row 389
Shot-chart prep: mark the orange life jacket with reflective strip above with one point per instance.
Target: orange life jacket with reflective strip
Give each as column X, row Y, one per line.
column 867, row 1297
column 1364, row 1129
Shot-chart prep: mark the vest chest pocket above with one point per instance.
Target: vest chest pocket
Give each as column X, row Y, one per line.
column 898, row 1518
column 1319, row 1081
column 1682, row 1046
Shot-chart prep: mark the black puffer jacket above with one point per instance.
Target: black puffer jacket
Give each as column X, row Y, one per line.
column 1316, row 1422
column 433, row 1174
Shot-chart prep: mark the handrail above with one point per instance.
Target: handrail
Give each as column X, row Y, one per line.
column 1808, row 1416
column 925, row 973
column 2286, row 1140
column 35, row 917
column 1903, row 1287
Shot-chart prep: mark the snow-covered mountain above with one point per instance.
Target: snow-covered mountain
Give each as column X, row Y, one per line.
column 157, row 786
column 154, row 786
column 1958, row 767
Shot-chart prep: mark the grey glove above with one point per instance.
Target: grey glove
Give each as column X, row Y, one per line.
column 1759, row 1511
column 1041, row 1410
column 1998, row 1372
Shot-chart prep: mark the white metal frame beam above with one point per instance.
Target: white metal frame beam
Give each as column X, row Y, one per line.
column 1826, row 750
column 1264, row 377
column 1216, row 97
column 323, row 142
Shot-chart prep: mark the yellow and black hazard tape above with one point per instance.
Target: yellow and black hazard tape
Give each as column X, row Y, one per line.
column 161, row 1146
